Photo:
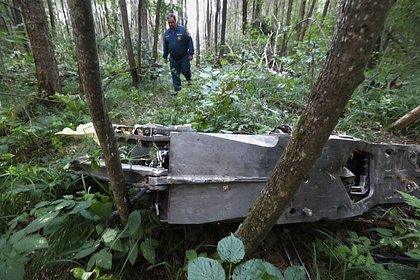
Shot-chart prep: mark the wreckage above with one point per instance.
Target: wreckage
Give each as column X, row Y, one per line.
column 197, row 178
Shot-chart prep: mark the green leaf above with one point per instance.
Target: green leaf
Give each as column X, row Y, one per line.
column 191, row 254
column 415, row 253
column 11, row 269
column 40, row 222
column 205, row 269
column 250, row 270
column 109, row 235
column 65, row 204
column 148, row 251
column 231, row 249
column 133, row 253
column 104, row 259
column 102, row 209
column 30, row 243
column 384, row 232
column 411, row 200
column 88, row 248
column 272, row 271
column 134, row 222
column 295, row 272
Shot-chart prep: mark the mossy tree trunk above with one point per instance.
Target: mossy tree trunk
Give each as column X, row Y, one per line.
column 356, row 32
column 82, row 20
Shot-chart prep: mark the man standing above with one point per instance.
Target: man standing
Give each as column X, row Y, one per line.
column 177, row 42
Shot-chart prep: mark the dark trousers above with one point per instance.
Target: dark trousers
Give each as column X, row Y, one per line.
column 178, row 66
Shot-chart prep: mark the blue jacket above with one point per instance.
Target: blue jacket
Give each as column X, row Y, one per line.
column 177, row 43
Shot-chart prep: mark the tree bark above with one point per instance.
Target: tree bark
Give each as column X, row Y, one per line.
column 42, row 47
column 408, row 119
column 216, row 26
column 300, row 19
column 156, row 32
column 208, row 24
column 128, row 44
column 244, row 15
column 256, row 11
column 197, row 35
column 356, row 31
column 139, row 35
column 306, row 24
column 325, row 10
column 52, row 17
column 287, row 23
column 222, row 34
column 83, row 25
column 64, row 10
column 267, row 7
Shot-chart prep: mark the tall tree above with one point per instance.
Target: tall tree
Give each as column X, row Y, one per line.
column 216, row 27
column 308, row 16
column 197, row 35
column 84, row 30
column 128, row 44
column 244, row 15
column 356, row 31
column 325, row 10
column 208, row 24
column 222, row 34
column 156, row 32
column 287, row 23
column 256, row 9
column 42, row 47
column 64, row 11
column 300, row 19
column 52, row 17
column 139, row 36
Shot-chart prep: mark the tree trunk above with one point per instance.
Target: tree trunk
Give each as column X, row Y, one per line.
column 208, row 24
column 82, row 19
column 287, row 23
column 16, row 14
column 356, row 32
column 139, row 35
column 306, row 24
column 185, row 14
column 244, row 15
column 267, row 7
column 64, row 10
column 52, row 17
column 300, row 19
column 180, row 12
column 197, row 35
column 42, row 47
column 222, row 34
column 325, row 10
column 408, row 119
column 128, row 44
column 145, row 25
column 257, row 9
column 156, row 33
column 216, row 26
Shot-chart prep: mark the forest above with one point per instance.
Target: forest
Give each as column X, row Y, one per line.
column 309, row 68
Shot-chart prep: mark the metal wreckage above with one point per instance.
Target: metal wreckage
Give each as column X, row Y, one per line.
column 196, row 178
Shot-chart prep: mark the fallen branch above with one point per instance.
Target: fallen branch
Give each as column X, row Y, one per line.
column 408, row 119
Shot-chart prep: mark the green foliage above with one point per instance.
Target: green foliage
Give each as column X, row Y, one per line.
column 231, row 251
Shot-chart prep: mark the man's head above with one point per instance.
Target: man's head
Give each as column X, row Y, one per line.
column 171, row 19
